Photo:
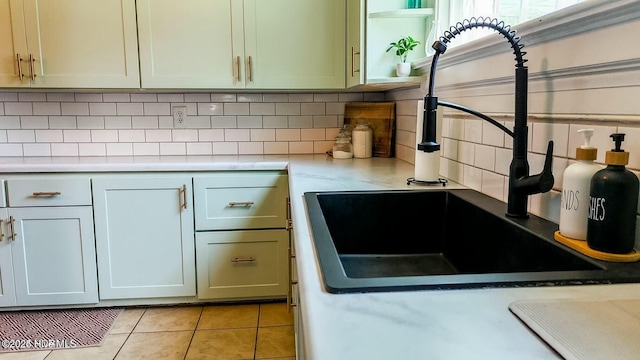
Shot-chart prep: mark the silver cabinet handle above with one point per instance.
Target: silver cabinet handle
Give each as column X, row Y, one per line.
column 19, row 61
column 241, row 203
column 250, row 70
column 46, row 193
column 243, row 260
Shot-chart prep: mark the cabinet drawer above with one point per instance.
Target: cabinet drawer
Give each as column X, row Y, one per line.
column 242, row 264
column 48, row 192
column 240, row 200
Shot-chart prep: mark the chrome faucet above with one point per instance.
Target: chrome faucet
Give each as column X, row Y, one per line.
column 521, row 184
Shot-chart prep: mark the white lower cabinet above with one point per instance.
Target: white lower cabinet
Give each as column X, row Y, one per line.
column 51, row 252
column 242, row 264
column 144, row 236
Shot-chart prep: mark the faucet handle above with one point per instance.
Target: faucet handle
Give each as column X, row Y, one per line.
column 546, row 176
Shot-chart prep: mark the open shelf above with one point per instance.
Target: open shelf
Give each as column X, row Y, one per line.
column 402, row 13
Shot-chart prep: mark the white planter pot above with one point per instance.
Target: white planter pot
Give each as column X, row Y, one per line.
column 403, row 69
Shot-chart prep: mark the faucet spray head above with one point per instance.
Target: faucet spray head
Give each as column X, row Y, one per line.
column 439, row 47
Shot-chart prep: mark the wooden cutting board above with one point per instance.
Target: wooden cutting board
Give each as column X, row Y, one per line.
column 585, row 329
column 380, row 116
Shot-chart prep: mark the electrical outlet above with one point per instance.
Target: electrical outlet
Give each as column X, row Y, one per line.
column 179, row 116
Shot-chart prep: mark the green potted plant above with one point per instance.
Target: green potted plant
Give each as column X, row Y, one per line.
column 403, row 46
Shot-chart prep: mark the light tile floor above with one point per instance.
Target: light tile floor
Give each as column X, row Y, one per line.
column 248, row 331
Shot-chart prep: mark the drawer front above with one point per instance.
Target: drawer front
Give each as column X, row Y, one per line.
column 240, row 200
column 48, row 192
column 242, row 264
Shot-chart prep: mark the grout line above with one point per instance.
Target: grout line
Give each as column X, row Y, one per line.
column 130, row 332
column 255, row 347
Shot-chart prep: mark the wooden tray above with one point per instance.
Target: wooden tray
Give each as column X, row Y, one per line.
column 380, row 116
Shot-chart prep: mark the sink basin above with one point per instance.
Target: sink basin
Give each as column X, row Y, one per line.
column 441, row 239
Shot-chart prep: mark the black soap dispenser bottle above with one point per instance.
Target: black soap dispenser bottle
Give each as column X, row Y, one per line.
column 613, row 204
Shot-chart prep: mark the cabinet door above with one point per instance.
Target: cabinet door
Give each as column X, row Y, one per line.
column 355, row 40
column 242, row 264
column 295, row 44
column 13, row 43
column 198, row 44
column 144, row 236
column 240, row 200
column 81, row 43
column 54, row 255
column 7, row 290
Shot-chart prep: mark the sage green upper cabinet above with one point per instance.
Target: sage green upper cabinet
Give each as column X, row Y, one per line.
column 242, row 44
column 371, row 26
column 68, row 44
column 197, row 44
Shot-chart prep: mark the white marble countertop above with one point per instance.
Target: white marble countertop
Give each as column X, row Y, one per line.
column 445, row 324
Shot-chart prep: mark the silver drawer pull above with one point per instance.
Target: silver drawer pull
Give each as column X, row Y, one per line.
column 46, row 193
column 241, row 203
column 243, row 260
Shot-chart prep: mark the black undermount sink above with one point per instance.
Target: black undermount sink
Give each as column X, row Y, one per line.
column 433, row 239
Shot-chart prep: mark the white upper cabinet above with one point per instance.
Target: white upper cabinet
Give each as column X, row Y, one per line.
column 242, row 44
column 68, row 44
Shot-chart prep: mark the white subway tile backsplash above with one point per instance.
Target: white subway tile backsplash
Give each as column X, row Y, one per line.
column 197, row 98
column 3, row 136
column 46, row 108
column 492, row 135
column 157, row 109
column 250, row 148
column 249, row 122
column 127, row 108
column 184, row 135
column 116, row 97
column 287, row 109
column 90, row 122
column 224, row 122
column 299, row 98
column 174, row 148
column 36, row 149
column 21, row 136
column 209, row 135
column 104, row 136
column 76, row 135
column 8, row 96
column 450, row 148
column 334, row 108
column 262, row 108
column 199, row 148
column 273, row 122
column 223, row 97
column 225, row 148
column 473, row 130
column 312, row 134
column 237, row 135
column 210, row 109
column 302, row 122
column 325, row 121
column 236, row 108
column 288, row 134
column 276, row 147
column 58, row 149
column 11, row 150
column 62, row 122
column 144, row 122
column 60, row 97
column 144, row 98
column 119, row 149
column 76, row 108
column 350, row 97
column 545, row 132
column 89, row 149
column 9, row 122
column 32, row 96
column 466, row 152
column 166, row 122
column 263, row 135
column 117, row 122
column 322, row 146
column 546, row 205
column 330, row 134
column 34, row 122
column 249, row 98
column 374, row 97
column 485, row 157
column 49, row 136
column 329, row 97
column 170, row 98
column 275, row 98
column 161, row 135
column 301, row 147
column 1, row 108
column 456, row 129
column 18, row 108
column 199, row 122
column 312, row 109
column 146, row 149
column 102, row 109
column 131, row 136
column 89, row 97
column 493, row 184
column 503, row 160
column 472, row 177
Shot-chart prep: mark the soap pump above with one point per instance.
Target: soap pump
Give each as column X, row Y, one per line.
column 576, row 183
column 613, row 204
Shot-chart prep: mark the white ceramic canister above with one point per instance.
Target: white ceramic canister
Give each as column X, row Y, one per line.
column 362, row 137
